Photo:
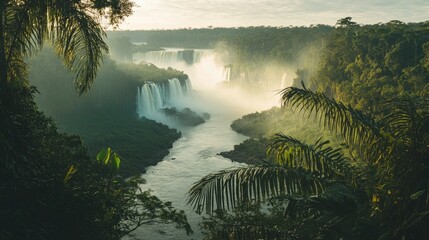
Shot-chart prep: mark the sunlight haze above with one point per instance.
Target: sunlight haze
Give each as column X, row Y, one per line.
column 173, row 14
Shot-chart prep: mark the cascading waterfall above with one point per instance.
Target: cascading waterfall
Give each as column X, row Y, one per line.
column 286, row 81
column 200, row 54
column 156, row 57
column 171, row 56
column 152, row 97
column 225, row 74
column 283, row 82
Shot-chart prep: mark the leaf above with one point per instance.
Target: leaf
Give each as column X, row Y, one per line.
column 225, row 189
column 418, row 194
column 72, row 170
column 107, row 158
column 117, row 160
column 101, row 155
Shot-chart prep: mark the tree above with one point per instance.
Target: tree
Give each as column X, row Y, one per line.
column 73, row 27
column 376, row 184
column 49, row 186
column 345, row 22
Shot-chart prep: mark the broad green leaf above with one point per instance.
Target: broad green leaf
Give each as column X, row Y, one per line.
column 101, row 155
column 117, row 160
column 107, row 158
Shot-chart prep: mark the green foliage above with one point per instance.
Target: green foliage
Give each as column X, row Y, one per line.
column 294, row 217
column 106, row 115
column 74, row 29
column 246, row 221
column 251, row 151
column 362, row 65
column 186, row 116
column 146, row 72
column 105, row 157
column 50, row 187
column 375, row 185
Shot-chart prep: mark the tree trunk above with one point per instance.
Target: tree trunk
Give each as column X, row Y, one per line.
column 3, row 63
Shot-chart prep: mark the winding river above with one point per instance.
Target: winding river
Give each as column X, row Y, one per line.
column 192, row 157
column 195, row 154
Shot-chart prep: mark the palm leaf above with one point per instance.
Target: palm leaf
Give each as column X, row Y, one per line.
column 78, row 40
column 224, row 189
column 329, row 162
column 75, row 34
column 356, row 128
column 408, row 121
column 22, row 35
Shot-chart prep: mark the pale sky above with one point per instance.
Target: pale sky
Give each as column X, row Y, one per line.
column 173, row 14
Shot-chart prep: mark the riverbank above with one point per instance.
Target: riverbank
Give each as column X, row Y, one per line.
column 251, row 151
column 139, row 142
column 262, row 126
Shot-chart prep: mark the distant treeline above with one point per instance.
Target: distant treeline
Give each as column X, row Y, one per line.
column 202, row 37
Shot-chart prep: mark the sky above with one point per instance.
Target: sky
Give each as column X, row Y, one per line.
column 174, row 14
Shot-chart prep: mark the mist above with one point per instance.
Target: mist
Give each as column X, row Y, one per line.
column 145, row 102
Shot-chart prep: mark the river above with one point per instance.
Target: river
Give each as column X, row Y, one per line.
column 192, row 157
column 195, row 154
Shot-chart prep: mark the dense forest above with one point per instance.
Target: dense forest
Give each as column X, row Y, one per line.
column 367, row 179
column 360, row 65
column 51, row 188
column 344, row 157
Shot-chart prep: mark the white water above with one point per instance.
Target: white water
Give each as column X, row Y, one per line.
column 152, row 97
column 171, row 56
column 203, row 73
column 195, row 154
column 225, row 74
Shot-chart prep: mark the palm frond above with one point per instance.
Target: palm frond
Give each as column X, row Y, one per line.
column 75, row 34
column 27, row 27
column 356, row 128
column 408, row 120
column 78, row 40
column 224, row 189
column 329, row 162
column 21, row 35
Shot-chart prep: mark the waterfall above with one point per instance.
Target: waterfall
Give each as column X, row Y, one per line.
column 284, row 83
column 169, row 57
column 152, row 97
column 225, row 74
column 200, row 54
